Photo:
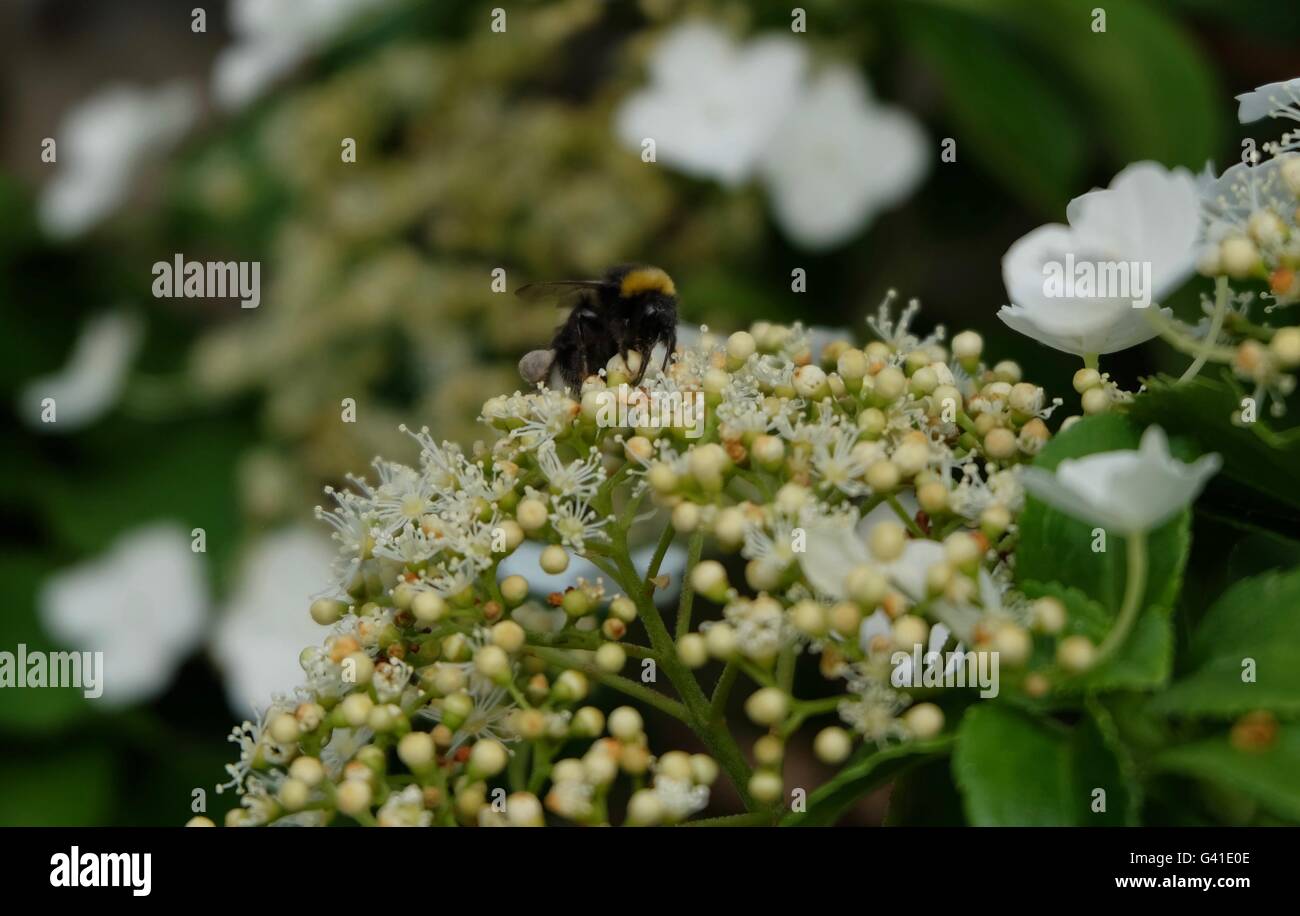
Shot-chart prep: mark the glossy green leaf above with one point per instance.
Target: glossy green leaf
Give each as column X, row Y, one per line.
column 1015, row 769
column 1256, row 622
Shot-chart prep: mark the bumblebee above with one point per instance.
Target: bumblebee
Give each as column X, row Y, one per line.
column 632, row 308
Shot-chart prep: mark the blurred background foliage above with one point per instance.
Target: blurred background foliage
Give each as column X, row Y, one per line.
column 481, row 150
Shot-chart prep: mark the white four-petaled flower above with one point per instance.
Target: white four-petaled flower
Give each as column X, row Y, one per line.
column 829, row 155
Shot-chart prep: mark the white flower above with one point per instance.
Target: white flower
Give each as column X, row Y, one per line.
column 1149, row 216
column 91, row 381
column 713, row 105
column 1124, row 491
column 835, row 465
column 142, row 603
column 839, row 158
column 579, row 478
column 102, row 143
column 576, row 523
column 265, row 624
column 1273, row 100
column 271, row 38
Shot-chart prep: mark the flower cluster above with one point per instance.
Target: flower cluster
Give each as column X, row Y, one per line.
column 870, row 493
column 863, row 512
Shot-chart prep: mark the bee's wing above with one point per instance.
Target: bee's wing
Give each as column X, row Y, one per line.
column 560, row 290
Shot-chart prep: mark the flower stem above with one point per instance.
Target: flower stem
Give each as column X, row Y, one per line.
column 910, row 522
column 661, row 550
column 722, row 690
column 1221, row 296
column 1135, row 585
column 683, row 623
column 562, row 659
column 1185, row 343
column 718, row 740
column 1091, row 361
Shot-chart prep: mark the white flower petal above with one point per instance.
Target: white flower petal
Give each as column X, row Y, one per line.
column 265, row 624
column 92, row 380
column 831, row 550
column 143, row 603
column 102, row 144
column 1262, row 102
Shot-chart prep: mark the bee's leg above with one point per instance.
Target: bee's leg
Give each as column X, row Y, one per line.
column 643, row 363
column 670, row 347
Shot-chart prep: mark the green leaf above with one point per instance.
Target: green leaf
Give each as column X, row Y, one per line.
column 1256, row 619
column 1143, row 661
column 1056, row 547
column 862, row 775
column 1255, row 456
column 1102, row 760
column 1149, row 90
column 1267, row 776
column 1020, row 127
column 1014, row 769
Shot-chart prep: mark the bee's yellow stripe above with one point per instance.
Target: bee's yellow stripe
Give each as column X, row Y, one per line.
column 647, row 279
